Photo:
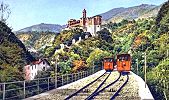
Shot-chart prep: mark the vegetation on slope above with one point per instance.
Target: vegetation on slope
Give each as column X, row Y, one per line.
column 130, row 13
column 37, row 40
column 13, row 55
column 162, row 18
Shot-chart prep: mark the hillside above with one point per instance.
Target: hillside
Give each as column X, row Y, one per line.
column 118, row 14
column 43, row 28
column 37, row 41
column 163, row 17
column 151, row 13
column 38, row 37
column 13, row 54
column 109, row 14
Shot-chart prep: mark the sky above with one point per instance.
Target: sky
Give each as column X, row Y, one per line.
column 25, row 13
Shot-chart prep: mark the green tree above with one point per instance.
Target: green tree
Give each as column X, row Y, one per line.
column 96, row 57
column 9, row 74
column 162, row 72
column 65, row 67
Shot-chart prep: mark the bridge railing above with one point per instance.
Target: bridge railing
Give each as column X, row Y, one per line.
column 24, row 89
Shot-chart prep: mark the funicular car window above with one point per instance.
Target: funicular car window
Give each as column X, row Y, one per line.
column 126, row 58
column 108, row 60
column 123, row 58
column 120, row 58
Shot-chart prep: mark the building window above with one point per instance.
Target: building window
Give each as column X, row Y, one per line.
column 44, row 68
column 32, row 67
column 32, row 74
column 43, row 63
column 35, row 66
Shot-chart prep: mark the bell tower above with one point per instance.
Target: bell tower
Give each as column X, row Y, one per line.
column 84, row 13
column 84, row 18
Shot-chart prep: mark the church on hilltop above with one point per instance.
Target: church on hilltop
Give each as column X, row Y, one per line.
column 88, row 24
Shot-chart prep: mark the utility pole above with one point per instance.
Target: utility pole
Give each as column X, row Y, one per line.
column 102, row 66
column 145, row 66
column 137, row 66
column 56, row 72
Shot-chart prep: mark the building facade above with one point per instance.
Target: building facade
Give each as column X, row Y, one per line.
column 88, row 24
column 32, row 69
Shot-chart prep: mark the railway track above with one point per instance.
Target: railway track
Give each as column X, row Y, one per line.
column 117, row 92
column 97, row 84
column 112, row 90
column 93, row 89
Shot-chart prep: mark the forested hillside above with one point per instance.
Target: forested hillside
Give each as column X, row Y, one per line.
column 37, row 40
column 163, row 17
column 13, row 55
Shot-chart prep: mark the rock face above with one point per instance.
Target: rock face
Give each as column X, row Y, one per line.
column 12, row 50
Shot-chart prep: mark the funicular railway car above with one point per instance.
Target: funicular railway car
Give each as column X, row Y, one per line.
column 123, row 62
column 109, row 64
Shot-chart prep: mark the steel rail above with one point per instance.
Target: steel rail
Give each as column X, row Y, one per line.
column 99, row 86
column 117, row 92
column 70, row 96
column 97, row 93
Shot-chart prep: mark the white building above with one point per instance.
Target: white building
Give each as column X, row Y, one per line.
column 32, row 70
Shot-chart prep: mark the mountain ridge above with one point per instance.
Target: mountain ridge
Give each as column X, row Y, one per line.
column 42, row 27
column 130, row 13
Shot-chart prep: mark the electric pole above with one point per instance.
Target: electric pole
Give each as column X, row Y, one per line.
column 56, row 71
column 56, row 74
column 137, row 66
column 145, row 66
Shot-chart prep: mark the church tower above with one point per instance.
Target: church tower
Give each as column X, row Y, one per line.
column 84, row 18
column 84, row 13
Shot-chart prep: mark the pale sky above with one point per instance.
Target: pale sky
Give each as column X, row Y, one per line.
column 25, row 13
